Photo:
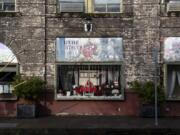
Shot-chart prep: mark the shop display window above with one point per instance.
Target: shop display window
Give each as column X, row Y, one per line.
column 172, row 67
column 6, row 78
column 173, row 81
column 89, row 68
column 89, row 80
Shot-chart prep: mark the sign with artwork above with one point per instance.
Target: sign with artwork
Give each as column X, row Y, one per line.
column 89, row 49
column 6, row 55
column 172, row 49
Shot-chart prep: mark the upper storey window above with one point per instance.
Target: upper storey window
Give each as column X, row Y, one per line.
column 71, row 5
column 173, row 6
column 107, row 6
column 90, row 6
column 7, row 5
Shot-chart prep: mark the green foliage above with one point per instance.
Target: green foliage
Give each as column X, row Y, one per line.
column 146, row 91
column 29, row 88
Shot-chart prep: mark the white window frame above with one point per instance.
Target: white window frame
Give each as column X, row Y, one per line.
column 120, row 97
column 120, row 7
column 63, row 1
column 8, row 68
column 8, row 10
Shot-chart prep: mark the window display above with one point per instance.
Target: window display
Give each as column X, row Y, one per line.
column 89, row 68
column 172, row 64
column 89, row 80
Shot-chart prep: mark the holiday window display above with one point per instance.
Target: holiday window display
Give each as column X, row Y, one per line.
column 89, row 80
column 89, row 67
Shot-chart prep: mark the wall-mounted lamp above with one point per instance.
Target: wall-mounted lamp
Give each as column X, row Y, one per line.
column 88, row 24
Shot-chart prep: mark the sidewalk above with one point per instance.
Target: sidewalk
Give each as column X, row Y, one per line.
column 93, row 124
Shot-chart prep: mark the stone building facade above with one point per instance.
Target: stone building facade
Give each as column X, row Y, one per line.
column 31, row 34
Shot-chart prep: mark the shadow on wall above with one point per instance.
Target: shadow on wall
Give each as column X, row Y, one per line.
column 8, row 109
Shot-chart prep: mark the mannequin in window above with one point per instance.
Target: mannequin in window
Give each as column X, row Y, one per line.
column 175, row 79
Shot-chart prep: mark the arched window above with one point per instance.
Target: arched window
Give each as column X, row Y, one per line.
column 8, row 69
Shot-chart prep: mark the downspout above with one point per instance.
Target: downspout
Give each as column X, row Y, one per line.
column 45, row 52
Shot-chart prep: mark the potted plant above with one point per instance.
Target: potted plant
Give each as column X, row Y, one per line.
column 146, row 92
column 27, row 90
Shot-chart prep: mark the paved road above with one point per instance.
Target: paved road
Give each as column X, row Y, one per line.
column 90, row 122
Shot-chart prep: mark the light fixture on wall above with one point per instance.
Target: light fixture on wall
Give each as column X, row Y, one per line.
column 88, row 24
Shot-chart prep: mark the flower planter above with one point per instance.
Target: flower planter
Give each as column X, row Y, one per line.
column 148, row 111
column 26, row 110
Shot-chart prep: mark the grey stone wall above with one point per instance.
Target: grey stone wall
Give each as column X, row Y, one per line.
column 23, row 32
column 142, row 25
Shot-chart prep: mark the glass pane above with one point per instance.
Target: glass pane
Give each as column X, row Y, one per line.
column 1, row 6
column 100, row 8
column 73, row 1
column 6, row 88
column 113, row 8
column 9, row 1
column 9, row 6
column 1, row 88
column 107, row 1
column 11, row 88
column 173, row 80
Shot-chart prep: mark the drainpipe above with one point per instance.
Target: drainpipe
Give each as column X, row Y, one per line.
column 45, row 52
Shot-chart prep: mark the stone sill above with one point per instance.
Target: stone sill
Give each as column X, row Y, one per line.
column 10, row 14
column 7, row 97
column 94, row 15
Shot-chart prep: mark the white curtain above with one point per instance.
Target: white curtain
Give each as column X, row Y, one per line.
column 173, row 82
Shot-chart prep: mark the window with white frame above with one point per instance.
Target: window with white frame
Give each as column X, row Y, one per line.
column 8, row 69
column 89, row 68
column 107, row 6
column 71, row 5
column 6, row 77
column 172, row 64
column 7, row 5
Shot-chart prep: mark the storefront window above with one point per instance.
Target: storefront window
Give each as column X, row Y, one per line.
column 89, row 68
column 172, row 64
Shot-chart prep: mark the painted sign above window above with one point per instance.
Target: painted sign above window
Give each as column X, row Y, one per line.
column 6, row 55
column 172, row 49
column 89, row 49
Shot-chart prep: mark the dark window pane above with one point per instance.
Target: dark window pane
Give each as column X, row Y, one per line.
column 113, row 8
column 9, row 7
column 100, row 8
